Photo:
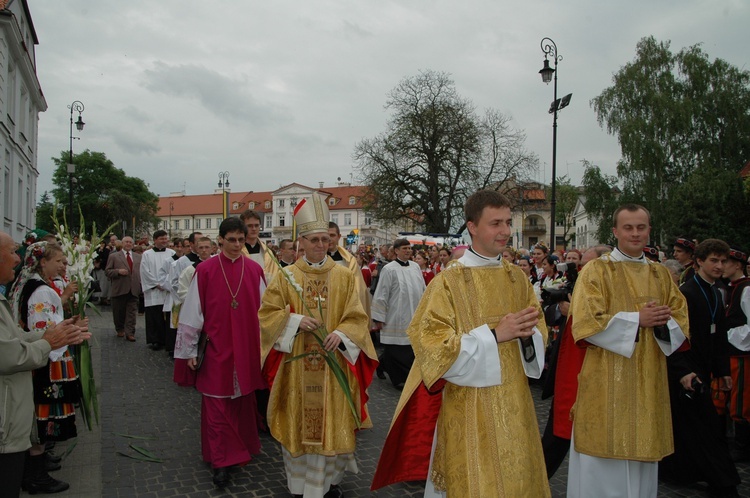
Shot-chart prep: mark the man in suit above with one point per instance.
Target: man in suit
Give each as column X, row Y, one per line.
column 124, row 270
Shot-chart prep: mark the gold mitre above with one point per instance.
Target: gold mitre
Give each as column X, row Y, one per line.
column 311, row 215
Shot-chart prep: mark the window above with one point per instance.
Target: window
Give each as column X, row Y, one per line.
column 165, row 224
column 235, row 205
column 352, row 200
column 281, row 203
column 368, row 219
column 268, row 222
column 198, row 224
column 187, row 224
column 268, row 204
column 208, row 223
column 281, row 220
column 347, row 219
column 332, row 201
column 251, row 205
column 218, row 222
column 176, row 224
column 335, row 218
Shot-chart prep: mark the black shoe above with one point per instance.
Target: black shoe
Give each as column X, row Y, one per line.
column 45, row 484
column 379, row 371
column 156, row 347
column 221, row 477
column 51, row 466
column 334, row 492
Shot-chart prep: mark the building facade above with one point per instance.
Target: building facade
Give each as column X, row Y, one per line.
column 21, row 101
column 182, row 214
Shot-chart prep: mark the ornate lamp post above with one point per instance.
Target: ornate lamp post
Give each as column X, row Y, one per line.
column 77, row 106
column 549, row 48
column 223, row 185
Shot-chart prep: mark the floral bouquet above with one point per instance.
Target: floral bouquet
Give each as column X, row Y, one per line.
column 320, row 334
column 80, row 258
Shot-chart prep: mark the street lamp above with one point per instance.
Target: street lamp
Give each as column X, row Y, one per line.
column 549, row 48
column 77, row 106
column 171, row 208
column 223, row 185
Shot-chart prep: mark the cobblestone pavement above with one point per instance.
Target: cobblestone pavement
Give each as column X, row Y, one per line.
column 138, row 398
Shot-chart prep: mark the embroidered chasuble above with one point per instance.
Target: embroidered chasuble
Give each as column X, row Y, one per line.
column 487, row 442
column 307, row 410
column 622, row 407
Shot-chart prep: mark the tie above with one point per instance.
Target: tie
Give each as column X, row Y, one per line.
column 130, row 261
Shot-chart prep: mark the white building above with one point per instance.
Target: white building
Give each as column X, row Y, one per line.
column 585, row 225
column 21, row 101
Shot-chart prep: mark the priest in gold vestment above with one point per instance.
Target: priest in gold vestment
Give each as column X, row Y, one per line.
column 466, row 419
column 308, row 412
column 631, row 315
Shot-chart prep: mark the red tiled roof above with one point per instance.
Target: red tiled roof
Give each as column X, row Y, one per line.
column 745, row 171
column 187, row 205
column 342, row 195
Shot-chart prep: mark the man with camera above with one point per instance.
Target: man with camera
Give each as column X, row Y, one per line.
column 701, row 451
column 629, row 315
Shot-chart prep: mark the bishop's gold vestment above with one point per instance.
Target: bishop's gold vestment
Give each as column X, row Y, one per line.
column 488, row 441
column 297, row 403
column 622, row 408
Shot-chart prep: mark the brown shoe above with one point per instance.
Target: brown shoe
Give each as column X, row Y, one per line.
column 131, row 338
column 121, row 334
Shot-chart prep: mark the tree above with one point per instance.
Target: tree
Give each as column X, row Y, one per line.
column 44, row 211
column 567, row 198
column 436, row 152
column 104, row 193
column 600, row 199
column 675, row 114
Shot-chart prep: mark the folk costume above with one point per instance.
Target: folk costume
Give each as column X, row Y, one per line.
column 466, row 420
column 621, row 420
column 153, row 274
column 397, row 296
column 223, row 301
column 37, row 306
column 737, row 327
column 308, row 412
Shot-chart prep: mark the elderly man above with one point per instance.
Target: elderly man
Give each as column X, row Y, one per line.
column 20, row 353
column 308, row 412
column 124, row 271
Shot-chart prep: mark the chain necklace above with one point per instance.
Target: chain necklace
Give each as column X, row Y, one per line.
column 233, row 294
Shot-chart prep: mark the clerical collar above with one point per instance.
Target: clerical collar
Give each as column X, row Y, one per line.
column 702, row 281
column 472, row 258
column 336, row 255
column 156, row 249
column 402, row 263
column 618, row 255
column 193, row 257
column 253, row 249
column 316, row 265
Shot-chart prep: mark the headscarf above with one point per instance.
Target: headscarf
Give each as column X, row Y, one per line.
column 34, row 255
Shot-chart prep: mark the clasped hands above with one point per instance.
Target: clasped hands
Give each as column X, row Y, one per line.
column 653, row 315
column 68, row 332
column 308, row 324
column 517, row 325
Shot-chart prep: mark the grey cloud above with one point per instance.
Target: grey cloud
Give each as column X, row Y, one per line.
column 134, row 145
column 222, row 96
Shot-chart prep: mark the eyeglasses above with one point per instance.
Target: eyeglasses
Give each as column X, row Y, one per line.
column 318, row 240
column 235, row 240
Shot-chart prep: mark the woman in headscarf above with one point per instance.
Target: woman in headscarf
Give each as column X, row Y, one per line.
column 36, row 306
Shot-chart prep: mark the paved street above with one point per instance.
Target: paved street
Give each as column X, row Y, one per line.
column 138, row 398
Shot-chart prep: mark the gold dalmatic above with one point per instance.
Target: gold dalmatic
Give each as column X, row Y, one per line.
column 308, row 411
column 622, row 409
column 488, row 443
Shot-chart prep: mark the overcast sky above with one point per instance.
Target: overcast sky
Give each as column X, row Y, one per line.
column 176, row 91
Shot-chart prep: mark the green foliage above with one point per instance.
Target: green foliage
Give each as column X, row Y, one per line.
column 567, row 198
column 44, row 211
column 675, row 115
column 104, row 193
column 435, row 152
column 601, row 199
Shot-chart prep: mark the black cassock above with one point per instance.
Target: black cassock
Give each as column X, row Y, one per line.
column 701, row 450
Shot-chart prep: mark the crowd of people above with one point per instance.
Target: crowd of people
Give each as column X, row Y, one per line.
column 644, row 356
